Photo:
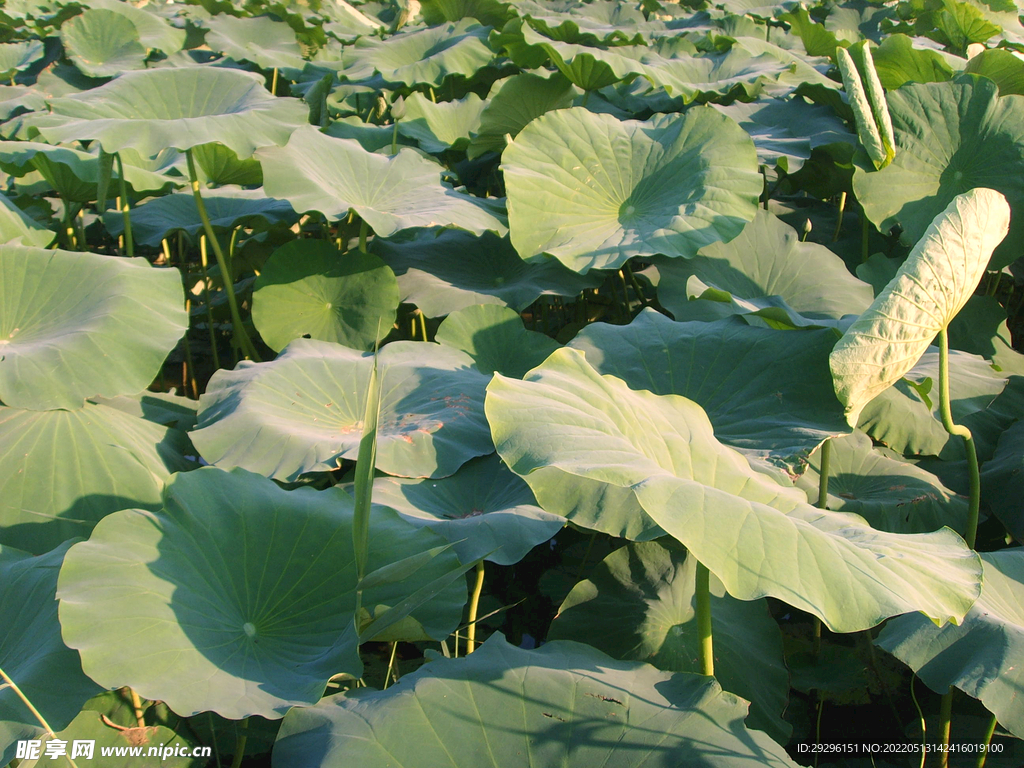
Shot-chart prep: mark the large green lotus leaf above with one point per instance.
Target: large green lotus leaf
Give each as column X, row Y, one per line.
column 898, row 62
column 593, row 191
column 563, row 704
column 931, row 286
column 980, row 328
column 517, row 101
column 219, row 165
column 1002, row 480
column 15, row 57
column 950, row 138
column 889, row 493
column 984, row 656
column 484, row 510
column 590, row 68
column 425, row 56
column 308, row 288
column 1005, row 69
column 804, row 69
column 120, row 461
column 437, row 127
column 154, row 31
column 713, row 73
column 649, row 588
column 906, row 418
column 442, row 272
column 178, row 107
column 18, row 228
column 491, row 13
column 74, row 174
column 766, row 392
column 787, row 130
column 164, row 408
column 106, row 324
column 768, row 259
column 303, row 412
column 315, row 172
column 103, row 43
column 600, row 24
column 565, row 420
column 32, row 652
column 237, row 597
column 227, row 208
column 266, row 43
column 495, row 338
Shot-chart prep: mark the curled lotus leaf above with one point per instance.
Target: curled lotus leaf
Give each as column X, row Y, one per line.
column 106, row 323
column 303, row 412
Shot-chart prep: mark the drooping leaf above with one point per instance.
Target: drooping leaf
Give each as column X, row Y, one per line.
column 15, row 57
column 593, row 191
column 889, row 493
column 102, row 43
column 933, row 284
column 437, row 127
column 768, row 259
column 307, row 288
column 249, row 587
column 520, row 99
column 219, row 165
column 484, row 510
column 32, row 652
column 766, row 392
column 17, row 228
column 950, row 138
column 563, row 704
column 424, row 56
column 120, row 461
column 648, row 588
column 984, row 656
column 178, row 107
column 105, row 323
column 315, row 172
column 443, row 272
column 566, row 421
column 495, row 338
column 227, row 208
column 303, row 411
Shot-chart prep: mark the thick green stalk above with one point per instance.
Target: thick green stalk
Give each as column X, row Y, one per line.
column 31, row 708
column 364, row 229
column 241, row 337
column 474, row 607
column 826, row 459
column 129, row 245
column 974, row 501
column 242, row 738
column 989, row 733
column 945, row 720
column 703, row 600
column 839, row 218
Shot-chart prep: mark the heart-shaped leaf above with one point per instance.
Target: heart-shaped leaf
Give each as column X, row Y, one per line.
column 103, row 43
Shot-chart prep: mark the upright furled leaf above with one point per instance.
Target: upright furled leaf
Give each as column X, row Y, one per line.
column 935, row 281
column 867, row 99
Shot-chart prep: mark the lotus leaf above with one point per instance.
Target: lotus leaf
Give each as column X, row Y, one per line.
column 768, row 259
column 593, row 191
column 437, row 127
column 495, row 338
column 649, row 588
column 442, row 272
column 886, row 491
column 154, row 31
column 982, row 656
column 950, row 138
column 518, row 100
column 183, row 107
column 566, row 421
column 221, row 600
column 303, row 412
column 121, row 461
column 424, row 56
column 930, row 288
column 107, row 324
column 315, row 172
column 307, row 288
column 765, row 392
column 17, row 228
column 1002, row 67
column 266, row 43
column 564, row 704
column 484, row 510
column 103, row 43
column 1002, row 480
column 32, row 652
column 15, row 57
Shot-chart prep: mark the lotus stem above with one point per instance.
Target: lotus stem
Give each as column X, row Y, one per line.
column 989, row 733
column 391, row 664
column 945, row 719
column 35, row 712
column 703, row 600
column 129, row 245
column 241, row 337
column 839, row 218
column 364, row 229
column 273, row 83
column 826, row 459
column 474, row 606
column 965, row 434
column 209, row 303
column 243, row 736
column 920, row 718
column 137, row 706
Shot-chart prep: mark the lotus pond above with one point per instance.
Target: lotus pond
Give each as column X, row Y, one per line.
column 478, row 383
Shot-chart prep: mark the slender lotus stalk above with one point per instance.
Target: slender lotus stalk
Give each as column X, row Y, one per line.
column 365, row 463
column 703, row 607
